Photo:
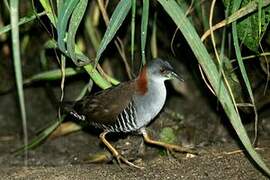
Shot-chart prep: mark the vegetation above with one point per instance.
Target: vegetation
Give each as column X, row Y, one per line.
column 82, row 34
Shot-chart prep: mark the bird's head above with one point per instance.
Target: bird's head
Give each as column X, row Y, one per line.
column 155, row 71
column 161, row 70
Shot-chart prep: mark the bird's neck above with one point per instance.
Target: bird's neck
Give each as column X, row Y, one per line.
column 142, row 81
column 149, row 104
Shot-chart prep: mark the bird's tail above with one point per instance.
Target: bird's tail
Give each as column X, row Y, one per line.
column 67, row 106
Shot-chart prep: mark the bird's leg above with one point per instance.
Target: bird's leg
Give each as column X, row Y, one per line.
column 115, row 153
column 171, row 147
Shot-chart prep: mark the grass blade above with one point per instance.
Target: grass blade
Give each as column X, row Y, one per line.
column 241, row 64
column 154, row 47
column 22, row 21
column 96, row 77
column 65, row 13
column 14, row 14
column 41, row 137
column 211, row 71
column 49, row 11
column 133, row 16
column 91, row 29
column 144, row 25
column 51, row 75
column 94, row 74
column 75, row 21
column 116, row 20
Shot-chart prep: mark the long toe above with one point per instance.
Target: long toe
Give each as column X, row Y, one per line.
column 120, row 159
column 181, row 149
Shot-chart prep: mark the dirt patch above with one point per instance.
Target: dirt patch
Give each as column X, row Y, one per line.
column 62, row 159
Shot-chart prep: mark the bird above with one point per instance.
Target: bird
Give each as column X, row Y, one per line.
column 129, row 106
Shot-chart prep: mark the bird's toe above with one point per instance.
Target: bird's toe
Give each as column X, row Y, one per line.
column 121, row 159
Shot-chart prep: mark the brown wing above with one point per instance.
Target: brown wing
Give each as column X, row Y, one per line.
column 105, row 106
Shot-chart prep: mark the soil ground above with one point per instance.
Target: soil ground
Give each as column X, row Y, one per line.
column 64, row 157
column 61, row 159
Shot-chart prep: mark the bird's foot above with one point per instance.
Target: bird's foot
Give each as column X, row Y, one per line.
column 121, row 159
column 115, row 153
column 177, row 148
column 169, row 147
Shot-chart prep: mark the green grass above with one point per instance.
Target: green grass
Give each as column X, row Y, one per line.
column 14, row 16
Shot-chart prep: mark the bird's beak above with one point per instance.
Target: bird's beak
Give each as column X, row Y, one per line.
column 174, row 75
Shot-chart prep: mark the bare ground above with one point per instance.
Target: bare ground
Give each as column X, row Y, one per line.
column 63, row 158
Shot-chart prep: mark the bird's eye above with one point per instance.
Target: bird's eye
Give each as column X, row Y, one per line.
column 162, row 70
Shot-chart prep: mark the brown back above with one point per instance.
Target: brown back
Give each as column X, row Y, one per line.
column 104, row 106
